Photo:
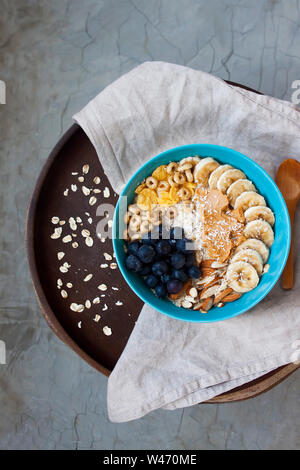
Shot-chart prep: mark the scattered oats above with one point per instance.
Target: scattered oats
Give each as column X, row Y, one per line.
column 69, row 285
column 115, row 288
column 75, row 245
column 97, row 179
column 106, row 192
column 55, row 220
column 107, row 331
column 96, row 191
column 57, row 233
column 102, row 295
column 85, row 232
column 88, row 304
column 104, row 265
column 110, row 223
column 63, row 269
column 92, row 200
column 87, row 213
column 74, row 173
column 107, row 256
column 80, row 308
column 114, row 254
column 72, row 223
column 66, row 192
column 74, row 235
column 60, row 255
column 113, row 265
column 90, row 220
column 78, row 219
column 62, row 222
column 89, row 241
column 64, row 294
column 85, row 169
column 97, row 318
column 105, row 308
column 59, row 282
column 118, row 303
column 102, row 240
column 96, row 300
column 67, row 265
column 74, row 187
column 79, row 324
column 74, row 307
column 102, row 287
column 85, row 191
column 80, row 179
column 88, row 278
column 67, row 239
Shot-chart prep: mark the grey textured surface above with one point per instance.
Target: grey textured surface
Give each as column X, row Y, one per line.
column 54, row 56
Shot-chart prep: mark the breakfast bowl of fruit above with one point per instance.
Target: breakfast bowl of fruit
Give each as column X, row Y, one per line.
column 201, row 233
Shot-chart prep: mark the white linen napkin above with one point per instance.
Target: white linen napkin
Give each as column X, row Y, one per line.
column 168, row 363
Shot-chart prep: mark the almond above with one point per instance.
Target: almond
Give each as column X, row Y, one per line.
column 231, row 297
column 207, row 304
column 222, row 294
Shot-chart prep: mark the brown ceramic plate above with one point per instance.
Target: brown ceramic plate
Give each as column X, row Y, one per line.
column 79, row 330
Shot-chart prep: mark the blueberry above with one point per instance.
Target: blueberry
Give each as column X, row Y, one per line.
column 165, row 278
column 163, row 247
column 194, row 272
column 189, row 260
column 160, row 291
column 151, row 281
column 159, row 268
column 147, row 240
column 133, row 263
column 183, row 245
column 177, row 260
column 180, row 275
column 176, row 233
column 145, row 270
column 133, row 248
column 174, row 286
column 146, row 253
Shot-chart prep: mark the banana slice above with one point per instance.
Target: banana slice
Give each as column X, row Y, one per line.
column 260, row 212
column 260, row 229
column 194, row 160
column 203, row 169
column 237, row 188
column 250, row 256
column 229, row 177
column 249, row 199
column 256, row 245
column 215, row 175
column 241, row 276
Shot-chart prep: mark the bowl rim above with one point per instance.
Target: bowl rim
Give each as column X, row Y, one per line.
column 257, row 167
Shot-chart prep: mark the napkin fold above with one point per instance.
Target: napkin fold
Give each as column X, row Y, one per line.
column 168, row 363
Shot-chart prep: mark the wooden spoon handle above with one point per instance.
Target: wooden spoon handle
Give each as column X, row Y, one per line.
column 288, row 272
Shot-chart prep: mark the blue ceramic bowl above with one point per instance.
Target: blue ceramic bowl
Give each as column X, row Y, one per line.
column 278, row 253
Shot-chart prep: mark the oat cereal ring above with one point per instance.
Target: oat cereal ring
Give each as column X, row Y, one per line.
column 189, row 176
column 146, row 226
column 185, row 166
column 172, row 182
column 140, row 188
column 151, row 182
column 184, row 194
column 133, row 209
column 163, row 186
column 126, row 217
column 135, row 222
column 179, row 178
column 172, row 167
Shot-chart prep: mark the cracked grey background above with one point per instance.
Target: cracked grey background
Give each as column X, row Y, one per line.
column 54, row 56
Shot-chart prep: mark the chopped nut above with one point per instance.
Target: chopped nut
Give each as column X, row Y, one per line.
column 67, row 239
column 115, row 288
column 110, row 223
column 57, row 233
column 85, row 169
column 63, row 269
column 106, row 192
column 78, row 219
column 107, row 331
column 60, row 255
column 80, row 308
column 88, row 278
column 89, row 241
column 92, row 201
column 102, row 287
